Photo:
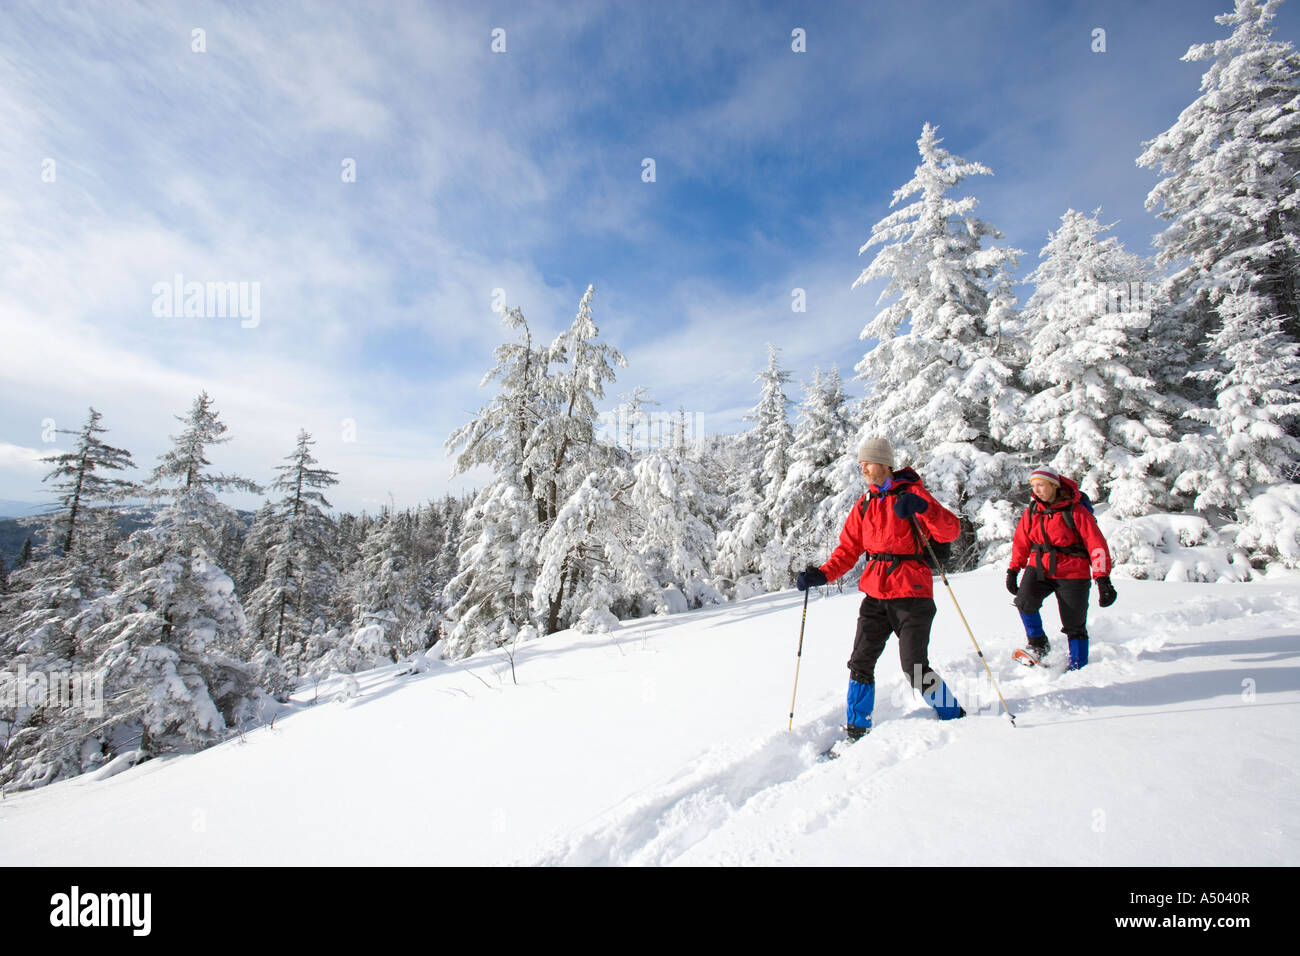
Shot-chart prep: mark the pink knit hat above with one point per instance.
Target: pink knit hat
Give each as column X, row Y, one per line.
column 1047, row 475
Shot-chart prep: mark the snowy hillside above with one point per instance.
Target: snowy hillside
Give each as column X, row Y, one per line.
column 665, row 742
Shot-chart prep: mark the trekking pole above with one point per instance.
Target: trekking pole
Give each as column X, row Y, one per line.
column 939, row 567
column 798, row 657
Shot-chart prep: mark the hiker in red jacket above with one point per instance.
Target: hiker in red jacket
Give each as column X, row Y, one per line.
column 897, row 581
column 1060, row 548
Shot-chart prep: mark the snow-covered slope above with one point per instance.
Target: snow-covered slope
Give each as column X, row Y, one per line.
column 666, row 743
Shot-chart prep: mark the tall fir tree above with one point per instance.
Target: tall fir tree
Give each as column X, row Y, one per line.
column 751, row 556
column 572, row 461
column 58, row 601
column 538, row 436
column 822, row 481
column 942, row 391
column 299, row 572
column 490, row 596
column 1094, row 412
column 53, row 593
column 1231, row 195
column 86, row 496
column 1244, row 445
column 179, row 666
column 1232, row 164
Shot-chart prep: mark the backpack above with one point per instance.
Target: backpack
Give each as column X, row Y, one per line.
column 1076, row 548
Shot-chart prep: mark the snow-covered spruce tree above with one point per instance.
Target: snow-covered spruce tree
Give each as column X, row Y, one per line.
column 250, row 567
column 453, row 516
column 1231, row 194
column 673, row 521
column 56, row 602
column 490, row 596
column 941, row 391
column 822, row 481
column 179, row 667
column 751, row 555
column 537, row 436
column 632, row 417
column 1245, row 445
column 80, row 533
column 636, row 540
column 585, row 479
column 85, row 495
column 436, row 530
column 1094, row 413
column 589, row 574
column 299, row 571
column 383, row 592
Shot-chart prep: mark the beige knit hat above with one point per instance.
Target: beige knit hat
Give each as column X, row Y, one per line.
column 877, row 450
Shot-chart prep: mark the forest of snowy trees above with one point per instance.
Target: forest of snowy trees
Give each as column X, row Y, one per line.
column 1165, row 386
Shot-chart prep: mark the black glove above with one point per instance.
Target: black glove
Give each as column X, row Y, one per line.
column 810, row 577
column 1012, row 586
column 909, row 504
column 1105, row 592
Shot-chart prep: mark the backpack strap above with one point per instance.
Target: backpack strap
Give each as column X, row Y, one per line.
column 895, row 560
column 1054, row 550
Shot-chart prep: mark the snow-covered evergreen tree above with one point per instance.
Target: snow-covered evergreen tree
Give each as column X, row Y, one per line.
column 55, row 604
column 1232, row 165
column 822, row 481
column 50, row 593
column 942, row 391
column 1245, row 444
column 1094, row 413
column 250, row 567
column 673, row 505
column 491, row 593
column 383, row 589
column 1232, row 198
column 179, row 667
column 299, row 573
column 751, row 555
column 538, row 436
column 86, row 497
column 588, row 573
column 569, row 459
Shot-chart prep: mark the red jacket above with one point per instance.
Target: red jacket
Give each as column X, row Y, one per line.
column 873, row 527
column 1043, row 528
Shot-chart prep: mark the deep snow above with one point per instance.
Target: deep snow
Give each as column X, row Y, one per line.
column 665, row 742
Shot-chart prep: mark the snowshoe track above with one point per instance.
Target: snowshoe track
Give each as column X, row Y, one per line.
column 659, row 825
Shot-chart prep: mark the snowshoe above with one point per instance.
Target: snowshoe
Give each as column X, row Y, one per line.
column 1032, row 654
column 851, row 736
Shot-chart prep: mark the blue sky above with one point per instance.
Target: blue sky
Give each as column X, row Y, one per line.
column 521, row 171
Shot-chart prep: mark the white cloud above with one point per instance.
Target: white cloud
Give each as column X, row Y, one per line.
column 24, row 461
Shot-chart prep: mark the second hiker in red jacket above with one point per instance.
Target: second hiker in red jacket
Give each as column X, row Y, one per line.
column 1061, row 549
column 897, row 581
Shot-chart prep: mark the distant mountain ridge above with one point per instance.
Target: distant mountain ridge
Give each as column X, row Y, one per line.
column 20, row 509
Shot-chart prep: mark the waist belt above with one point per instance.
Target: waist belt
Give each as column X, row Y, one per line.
column 895, row 560
column 1075, row 550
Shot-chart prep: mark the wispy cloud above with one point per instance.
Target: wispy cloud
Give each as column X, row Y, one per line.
column 383, row 175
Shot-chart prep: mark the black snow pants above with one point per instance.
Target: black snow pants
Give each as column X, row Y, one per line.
column 1071, row 599
column 910, row 619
